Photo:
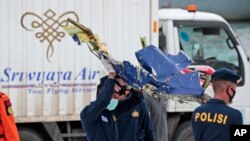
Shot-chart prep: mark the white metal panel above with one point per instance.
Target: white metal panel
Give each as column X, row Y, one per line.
column 181, row 14
column 58, row 89
column 170, row 33
column 154, row 18
column 4, row 50
column 125, row 22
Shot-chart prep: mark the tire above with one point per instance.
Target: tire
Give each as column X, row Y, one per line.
column 184, row 132
column 27, row 134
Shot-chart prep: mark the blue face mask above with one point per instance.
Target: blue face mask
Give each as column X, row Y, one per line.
column 112, row 104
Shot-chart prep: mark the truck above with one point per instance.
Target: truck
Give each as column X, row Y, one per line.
column 50, row 79
column 209, row 40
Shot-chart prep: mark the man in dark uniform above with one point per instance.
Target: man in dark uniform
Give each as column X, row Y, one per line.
column 134, row 124
column 132, row 120
column 211, row 121
column 99, row 118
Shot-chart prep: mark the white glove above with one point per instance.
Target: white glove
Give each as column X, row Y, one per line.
column 107, row 65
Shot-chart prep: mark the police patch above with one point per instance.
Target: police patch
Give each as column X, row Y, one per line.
column 8, row 107
column 135, row 114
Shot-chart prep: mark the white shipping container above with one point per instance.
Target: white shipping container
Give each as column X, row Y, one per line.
column 48, row 76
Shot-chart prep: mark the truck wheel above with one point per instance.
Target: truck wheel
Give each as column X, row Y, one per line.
column 27, row 134
column 184, row 132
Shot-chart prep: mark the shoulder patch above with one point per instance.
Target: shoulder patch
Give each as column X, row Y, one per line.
column 8, row 107
column 105, row 119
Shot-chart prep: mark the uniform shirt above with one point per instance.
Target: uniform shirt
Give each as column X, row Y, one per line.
column 211, row 121
column 100, row 123
column 134, row 122
column 97, row 121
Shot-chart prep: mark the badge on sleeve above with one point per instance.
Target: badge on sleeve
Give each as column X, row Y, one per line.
column 8, row 107
column 105, row 119
column 135, row 114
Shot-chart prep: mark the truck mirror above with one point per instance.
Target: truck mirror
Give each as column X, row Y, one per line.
column 197, row 52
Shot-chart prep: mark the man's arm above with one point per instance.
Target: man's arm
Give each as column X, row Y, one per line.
column 92, row 111
column 147, row 125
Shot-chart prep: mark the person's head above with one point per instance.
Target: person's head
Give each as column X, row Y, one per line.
column 224, row 83
column 120, row 89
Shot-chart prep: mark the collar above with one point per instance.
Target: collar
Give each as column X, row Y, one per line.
column 212, row 100
column 126, row 99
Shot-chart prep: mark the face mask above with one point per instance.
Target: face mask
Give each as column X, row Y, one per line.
column 112, row 104
column 230, row 96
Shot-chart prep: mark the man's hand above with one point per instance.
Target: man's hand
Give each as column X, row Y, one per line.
column 107, row 65
column 111, row 75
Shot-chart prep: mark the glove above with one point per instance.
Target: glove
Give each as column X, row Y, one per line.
column 107, row 65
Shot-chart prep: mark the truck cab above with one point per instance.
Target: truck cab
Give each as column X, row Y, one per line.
column 210, row 42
